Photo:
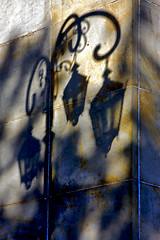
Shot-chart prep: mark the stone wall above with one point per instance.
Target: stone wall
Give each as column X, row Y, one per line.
column 79, row 152
column 149, row 88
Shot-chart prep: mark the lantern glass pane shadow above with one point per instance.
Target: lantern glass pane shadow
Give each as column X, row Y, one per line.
column 106, row 112
column 29, row 160
column 74, row 95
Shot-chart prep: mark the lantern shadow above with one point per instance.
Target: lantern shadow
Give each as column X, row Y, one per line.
column 74, row 96
column 29, row 161
column 104, row 115
column 29, row 157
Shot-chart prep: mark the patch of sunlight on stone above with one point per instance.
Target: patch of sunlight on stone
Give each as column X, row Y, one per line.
column 115, row 169
column 21, row 212
column 90, row 231
column 23, row 18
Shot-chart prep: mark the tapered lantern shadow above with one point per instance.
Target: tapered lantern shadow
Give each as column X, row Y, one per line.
column 106, row 112
column 29, row 158
column 74, row 96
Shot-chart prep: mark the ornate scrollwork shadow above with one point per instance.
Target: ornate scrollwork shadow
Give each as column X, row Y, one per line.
column 39, row 77
column 72, row 37
column 80, row 26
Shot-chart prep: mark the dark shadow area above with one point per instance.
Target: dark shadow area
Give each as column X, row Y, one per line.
column 119, row 196
column 109, row 206
column 67, row 163
column 64, row 215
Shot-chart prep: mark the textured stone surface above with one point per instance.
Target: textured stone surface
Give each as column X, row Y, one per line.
column 135, row 42
column 100, row 213
column 135, row 210
column 150, row 212
column 150, row 137
column 94, row 125
column 23, row 71
column 93, row 146
column 62, row 9
column 22, row 159
column 23, row 221
column 154, row 1
column 150, row 47
column 21, row 17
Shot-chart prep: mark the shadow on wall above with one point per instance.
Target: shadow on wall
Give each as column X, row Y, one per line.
column 21, row 150
column 75, row 89
column 70, row 213
column 76, row 209
column 103, row 105
column 29, row 157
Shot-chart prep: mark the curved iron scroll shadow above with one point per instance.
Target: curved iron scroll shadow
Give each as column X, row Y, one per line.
column 77, row 22
column 29, row 109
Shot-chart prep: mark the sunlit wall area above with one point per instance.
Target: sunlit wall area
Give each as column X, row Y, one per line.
column 79, row 119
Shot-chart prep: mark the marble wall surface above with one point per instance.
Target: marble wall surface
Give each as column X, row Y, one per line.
column 79, row 119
